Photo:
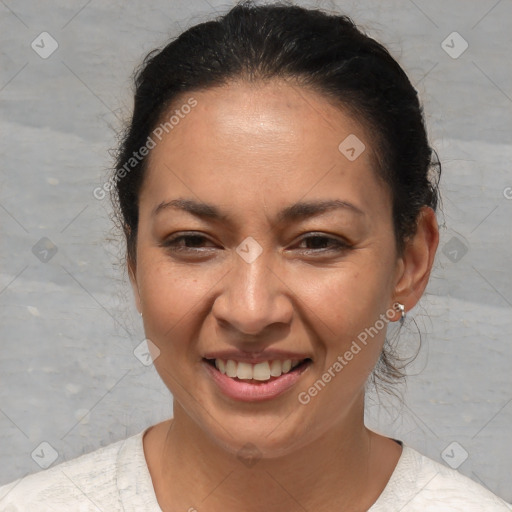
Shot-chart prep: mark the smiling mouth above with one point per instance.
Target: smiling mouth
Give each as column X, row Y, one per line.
column 265, row 371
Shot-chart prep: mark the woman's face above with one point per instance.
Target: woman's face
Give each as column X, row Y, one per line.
column 262, row 279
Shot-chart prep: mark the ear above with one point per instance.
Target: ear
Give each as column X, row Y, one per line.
column 417, row 260
column 132, row 274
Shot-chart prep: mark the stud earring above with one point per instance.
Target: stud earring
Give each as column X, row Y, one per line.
column 401, row 308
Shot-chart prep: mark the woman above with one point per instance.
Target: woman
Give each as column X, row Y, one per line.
column 277, row 193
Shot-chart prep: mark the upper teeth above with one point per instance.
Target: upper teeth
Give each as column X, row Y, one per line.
column 259, row 371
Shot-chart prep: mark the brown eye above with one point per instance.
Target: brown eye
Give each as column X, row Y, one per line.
column 319, row 243
column 191, row 242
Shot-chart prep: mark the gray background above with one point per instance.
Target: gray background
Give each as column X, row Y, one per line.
column 69, row 376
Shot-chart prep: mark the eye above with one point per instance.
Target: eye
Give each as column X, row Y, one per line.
column 193, row 242
column 194, row 239
column 320, row 240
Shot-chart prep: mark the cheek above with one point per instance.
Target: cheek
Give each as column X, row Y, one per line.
column 348, row 305
column 346, row 308
column 346, row 299
column 172, row 295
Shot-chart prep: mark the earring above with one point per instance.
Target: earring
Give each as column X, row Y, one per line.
column 401, row 308
column 140, row 313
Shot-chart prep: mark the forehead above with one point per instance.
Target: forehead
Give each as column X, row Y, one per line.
column 261, row 140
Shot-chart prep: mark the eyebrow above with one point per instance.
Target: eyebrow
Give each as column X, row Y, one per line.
column 294, row 212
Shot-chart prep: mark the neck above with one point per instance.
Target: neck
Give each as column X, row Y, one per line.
column 346, row 467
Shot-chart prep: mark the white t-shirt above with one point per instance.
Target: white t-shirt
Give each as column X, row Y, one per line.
column 116, row 478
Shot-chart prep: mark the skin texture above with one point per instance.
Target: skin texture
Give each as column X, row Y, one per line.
column 252, row 150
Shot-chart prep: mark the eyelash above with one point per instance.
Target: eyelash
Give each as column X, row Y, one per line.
column 336, row 245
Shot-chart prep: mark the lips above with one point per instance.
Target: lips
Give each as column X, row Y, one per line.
column 263, row 380
column 255, row 357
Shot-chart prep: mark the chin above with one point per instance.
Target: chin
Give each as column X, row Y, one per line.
column 263, row 436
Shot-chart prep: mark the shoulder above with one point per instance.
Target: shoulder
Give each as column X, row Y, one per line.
column 420, row 484
column 79, row 484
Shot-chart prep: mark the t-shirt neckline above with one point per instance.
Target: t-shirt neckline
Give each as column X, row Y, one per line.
column 141, row 494
column 131, row 464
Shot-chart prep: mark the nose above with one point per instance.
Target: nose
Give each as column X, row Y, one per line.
column 254, row 297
